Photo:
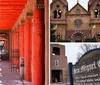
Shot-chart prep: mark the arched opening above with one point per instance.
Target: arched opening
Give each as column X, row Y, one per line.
column 59, row 13
column 55, row 14
column 56, row 51
column 96, row 13
column 4, row 49
column 78, row 37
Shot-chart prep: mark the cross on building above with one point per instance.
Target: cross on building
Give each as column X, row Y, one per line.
column 77, row 1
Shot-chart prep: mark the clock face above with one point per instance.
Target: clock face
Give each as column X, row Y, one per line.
column 78, row 22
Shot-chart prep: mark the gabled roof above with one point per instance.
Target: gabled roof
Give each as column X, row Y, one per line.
column 73, row 9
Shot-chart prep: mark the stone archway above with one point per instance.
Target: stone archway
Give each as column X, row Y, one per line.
column 78, row 37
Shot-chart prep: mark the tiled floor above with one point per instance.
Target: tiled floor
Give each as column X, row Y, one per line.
column 7, row 77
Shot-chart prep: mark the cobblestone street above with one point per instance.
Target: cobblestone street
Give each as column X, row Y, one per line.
column 9, row 78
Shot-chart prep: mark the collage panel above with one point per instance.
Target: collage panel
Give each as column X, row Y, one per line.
column 24, row 42
column 74, row 21
column 74, row 64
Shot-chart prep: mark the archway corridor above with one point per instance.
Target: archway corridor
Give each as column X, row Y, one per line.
column 24, row 42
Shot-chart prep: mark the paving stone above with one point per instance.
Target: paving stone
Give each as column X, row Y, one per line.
column 10, row 78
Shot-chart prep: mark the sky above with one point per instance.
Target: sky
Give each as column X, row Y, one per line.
column 71, row 3
column 71, row 51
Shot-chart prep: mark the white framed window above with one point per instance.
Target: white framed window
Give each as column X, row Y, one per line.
column 56, row 63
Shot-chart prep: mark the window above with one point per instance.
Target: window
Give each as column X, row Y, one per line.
column 56, row 51
column 77, row 11
column 96, row 13
column 59, row 13
column 57, row 6
column 98, row 5
column 98, row 34
column 78, row 22
column 56, row 76
column 55, row 13
column 56, row 63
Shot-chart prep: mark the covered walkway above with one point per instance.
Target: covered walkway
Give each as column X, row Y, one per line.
column 24, row 42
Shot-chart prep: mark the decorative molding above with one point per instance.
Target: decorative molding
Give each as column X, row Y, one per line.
column 29, row 15
column 39, row 6
column 22, row 22
column 76, row 33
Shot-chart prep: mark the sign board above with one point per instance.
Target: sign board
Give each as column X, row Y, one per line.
column 87, row 70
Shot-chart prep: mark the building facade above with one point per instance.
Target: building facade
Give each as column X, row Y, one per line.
column 76, row 24
column 58, row 64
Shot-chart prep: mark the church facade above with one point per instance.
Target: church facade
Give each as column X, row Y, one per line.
column 76, row 24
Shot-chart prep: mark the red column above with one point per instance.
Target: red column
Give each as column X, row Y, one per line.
column 28, row 1
column 38, row 47
column 27, row 48
column 16, row 48
column 21, row 43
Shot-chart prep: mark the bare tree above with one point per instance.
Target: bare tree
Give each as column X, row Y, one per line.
column 79, row 55
column 85, row 48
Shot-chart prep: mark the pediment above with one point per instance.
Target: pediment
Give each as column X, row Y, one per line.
column 78, row 9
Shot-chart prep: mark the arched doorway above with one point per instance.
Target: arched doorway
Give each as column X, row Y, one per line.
column 4, row 54
column 78, row 37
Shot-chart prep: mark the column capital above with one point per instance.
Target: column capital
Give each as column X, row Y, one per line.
column 29, row 15
column 22, row 22
column 18, row 26
column 39, row 6
column 13, row 30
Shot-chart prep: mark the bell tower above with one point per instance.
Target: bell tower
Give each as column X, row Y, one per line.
column 58, row 9
column 94, row 8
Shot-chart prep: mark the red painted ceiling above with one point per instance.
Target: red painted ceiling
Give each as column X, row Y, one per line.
column 9, row 12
